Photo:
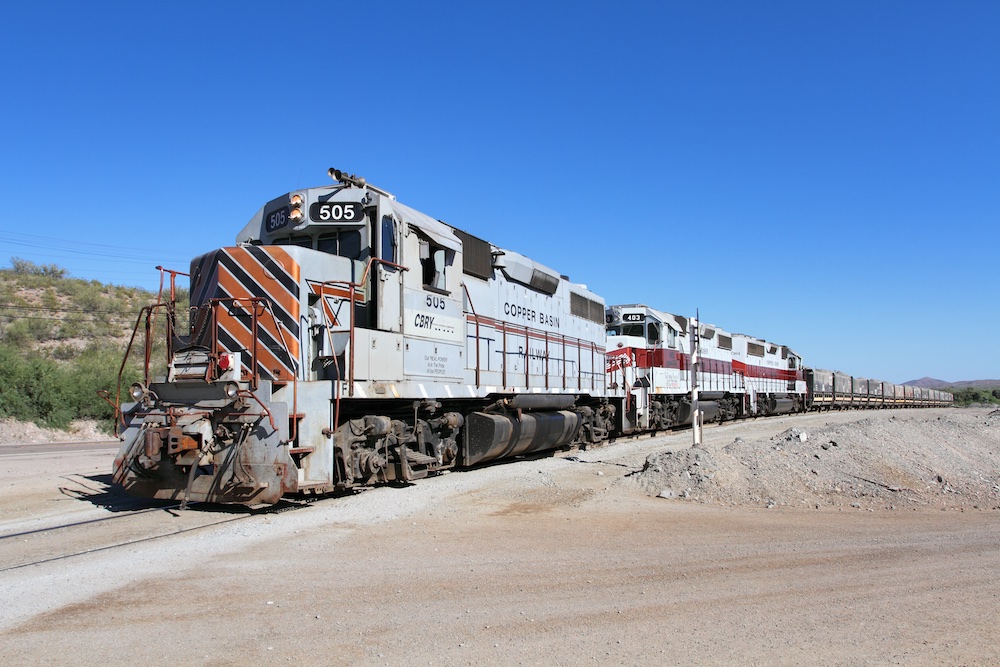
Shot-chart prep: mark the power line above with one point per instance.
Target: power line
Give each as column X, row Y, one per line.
column 88, row 311
column 39, row 319
column 71, row 245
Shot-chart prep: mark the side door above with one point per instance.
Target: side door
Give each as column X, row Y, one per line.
column 387, row 280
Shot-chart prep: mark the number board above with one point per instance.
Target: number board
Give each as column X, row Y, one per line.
column 633, row 317
column 336, row 211
column 277, row 219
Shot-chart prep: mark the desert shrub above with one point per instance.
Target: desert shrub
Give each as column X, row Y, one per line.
column 96, row 368
column 26, row 331
column 70, row 326
column 50, row 393
column 24, row 267
column 64, row 352
column 49, row 299
column 90, row 297
column 14, row 332
column 33, row 388
column 970, row 395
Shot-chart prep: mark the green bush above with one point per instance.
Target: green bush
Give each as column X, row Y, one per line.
column 50, row 393
column 90, row 297
column 96, row 368
column 26, row 268
column 33, row 388
column 970, row 395
column 27, row 331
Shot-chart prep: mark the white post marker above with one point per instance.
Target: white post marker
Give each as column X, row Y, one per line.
column 695, row 411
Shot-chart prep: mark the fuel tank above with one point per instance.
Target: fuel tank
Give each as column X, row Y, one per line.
column 489, row 437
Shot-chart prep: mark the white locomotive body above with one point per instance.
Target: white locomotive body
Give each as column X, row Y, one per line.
column 348, row 339
column 650, row 364
column 770, row 375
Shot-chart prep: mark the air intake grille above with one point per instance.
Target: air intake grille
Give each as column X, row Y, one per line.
column 477, row 256
column 588, row 309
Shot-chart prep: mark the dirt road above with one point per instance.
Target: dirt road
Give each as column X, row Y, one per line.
column 554, row 561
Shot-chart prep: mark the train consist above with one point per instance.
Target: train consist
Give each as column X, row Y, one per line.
column 649, row 359
column 347, row 340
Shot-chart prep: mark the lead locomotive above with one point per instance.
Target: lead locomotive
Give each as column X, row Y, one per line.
column 346, row 340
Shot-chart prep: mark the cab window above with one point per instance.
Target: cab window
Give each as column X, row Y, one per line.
column 388, row 244
column 301, row 241
column 346, row 243
column 433, row 262
column 653, row 333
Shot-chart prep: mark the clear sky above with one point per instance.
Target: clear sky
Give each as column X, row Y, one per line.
column 824, row 175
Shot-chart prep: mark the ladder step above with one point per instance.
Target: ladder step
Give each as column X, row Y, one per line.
column 418, row 458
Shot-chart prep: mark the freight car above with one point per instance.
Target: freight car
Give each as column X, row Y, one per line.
column 347, row 340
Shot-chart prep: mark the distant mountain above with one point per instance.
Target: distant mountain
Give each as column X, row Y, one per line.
column 932, row 383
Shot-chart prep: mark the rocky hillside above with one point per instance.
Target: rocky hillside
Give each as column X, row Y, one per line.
column 44, row 311
column 62, row 340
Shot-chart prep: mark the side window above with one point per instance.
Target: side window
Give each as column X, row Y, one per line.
column 388, row 240
column 327, row 243
column 653, row 333
column 671, row 337
column 432, row 263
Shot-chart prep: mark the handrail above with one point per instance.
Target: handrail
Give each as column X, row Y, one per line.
column 257, row 306
column 352, row 288
column 171, row 305
column 476, row 318
column 147, row 349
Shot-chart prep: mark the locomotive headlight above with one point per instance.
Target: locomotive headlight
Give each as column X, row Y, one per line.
column 295, row 203
column 137, row 391
column 232, row 389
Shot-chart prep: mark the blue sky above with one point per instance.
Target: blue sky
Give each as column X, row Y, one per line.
column 823, row 175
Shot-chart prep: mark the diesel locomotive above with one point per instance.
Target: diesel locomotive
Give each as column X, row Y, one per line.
column 347, row 340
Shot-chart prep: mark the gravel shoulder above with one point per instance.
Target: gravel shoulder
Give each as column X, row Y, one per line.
column 564, row 560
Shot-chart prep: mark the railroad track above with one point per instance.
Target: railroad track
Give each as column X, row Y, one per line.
column 71, row 539
column 137, row 520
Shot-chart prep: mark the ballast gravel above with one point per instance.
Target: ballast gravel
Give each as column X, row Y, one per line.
column 900, row 460
column 779, row 541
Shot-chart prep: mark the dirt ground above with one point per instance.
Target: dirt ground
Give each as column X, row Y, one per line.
column 760, row 547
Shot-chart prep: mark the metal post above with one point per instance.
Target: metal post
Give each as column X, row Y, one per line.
column 695, row 365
